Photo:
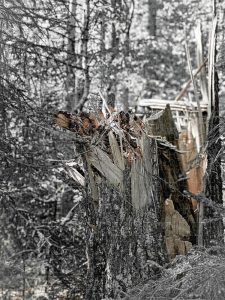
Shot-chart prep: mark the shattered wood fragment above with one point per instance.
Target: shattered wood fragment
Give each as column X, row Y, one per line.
column 82, row 123
column 74, row 173
column 175, row 223
column 163, row 125
column 170, row 167
column 142, row 174
column 105, row 166
column 117, row 154
column 93, row 186
column 177, row 231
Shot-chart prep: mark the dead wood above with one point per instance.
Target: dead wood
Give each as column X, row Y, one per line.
column 122, row 200
column 187, row 85
column 171, row 173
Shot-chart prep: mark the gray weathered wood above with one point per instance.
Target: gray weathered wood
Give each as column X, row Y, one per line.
column 117, row 154
column 200, row 61
column 142, row 172
column 101, row 161
column 124, row 232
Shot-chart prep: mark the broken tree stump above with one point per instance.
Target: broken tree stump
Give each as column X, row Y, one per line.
column 125, row 242
column 124, row 234
column 173, row 180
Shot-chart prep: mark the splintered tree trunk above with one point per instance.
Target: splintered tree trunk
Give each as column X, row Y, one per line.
column 124, row 235
column 172, row 177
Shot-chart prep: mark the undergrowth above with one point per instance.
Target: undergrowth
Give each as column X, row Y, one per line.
column 199, row 275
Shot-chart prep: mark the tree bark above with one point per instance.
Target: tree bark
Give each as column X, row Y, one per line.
column 152, row 10
column 213, row 224
column 171, row 174
column 84, row 88
column 213, row 231
column 71, row 58
column 124, row 234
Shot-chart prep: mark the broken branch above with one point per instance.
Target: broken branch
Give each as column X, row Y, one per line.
column 184, row 90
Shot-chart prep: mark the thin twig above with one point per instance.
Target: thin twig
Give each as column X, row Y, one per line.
column 187, row 85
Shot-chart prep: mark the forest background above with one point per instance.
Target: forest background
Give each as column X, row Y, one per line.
column 57, row 55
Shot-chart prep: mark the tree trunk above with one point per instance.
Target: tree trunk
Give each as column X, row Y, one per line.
column 71, row 58
column 172, row 176
column 213, row 224
column 125, row 97
column 124, row 235
column 213, row 230
column 129, row 178
column 152, row 10
column 129, row 12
